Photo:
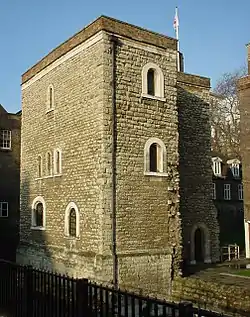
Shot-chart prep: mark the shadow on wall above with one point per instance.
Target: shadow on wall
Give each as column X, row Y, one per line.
column 196, row 204
column 32, row 248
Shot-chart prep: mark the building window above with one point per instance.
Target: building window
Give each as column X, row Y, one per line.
column 240, row 191
column 227, row 191
column 217, row 166
column 49, row 163
column 72, row 221
column 5, row 139
column 50, row 98
column 38, row 213
column 235, row 170
column 39, row 166
column 4, row 209
column 152, row 81
column 214, row 191
column 154, row 156
column 57, row 162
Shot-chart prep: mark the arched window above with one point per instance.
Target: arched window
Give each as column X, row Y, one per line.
column 57, row 162
column 152, row 82
column 154, row 156
column 39, row 166
column 50, row 98
column 49, row 163
column 38, row 213
column 72, row 221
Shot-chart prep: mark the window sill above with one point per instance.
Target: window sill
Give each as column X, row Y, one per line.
column 5, row 149
column 156, row 174
column 49, row 110
column 48, row 176
column 68, row 237
column 37, row 228
column 153, row 97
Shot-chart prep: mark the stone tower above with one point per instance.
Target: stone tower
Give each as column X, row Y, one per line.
column 116, row 175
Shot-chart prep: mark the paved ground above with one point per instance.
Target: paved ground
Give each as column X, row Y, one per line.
column 222, row 273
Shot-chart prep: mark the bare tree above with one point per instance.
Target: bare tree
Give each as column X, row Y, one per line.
column 225, row 116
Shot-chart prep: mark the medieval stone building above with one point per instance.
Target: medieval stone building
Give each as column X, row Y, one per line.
column 244, row 96
column 10, row 131
column 115, row 163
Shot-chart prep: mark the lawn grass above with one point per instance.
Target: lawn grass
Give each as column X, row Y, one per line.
column 243, row 272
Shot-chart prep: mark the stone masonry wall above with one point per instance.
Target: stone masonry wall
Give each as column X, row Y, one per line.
column 196, row 206
column 148, row 228
column 75, row 127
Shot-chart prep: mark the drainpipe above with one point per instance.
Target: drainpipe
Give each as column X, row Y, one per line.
column 114, row 140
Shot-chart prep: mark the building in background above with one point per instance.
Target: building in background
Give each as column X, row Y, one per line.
column 244, row 95
column 115, row 160
column 227, row 193
column 10, row 130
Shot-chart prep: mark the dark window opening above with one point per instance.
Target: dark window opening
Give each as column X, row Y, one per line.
column 50, row 97
column 153, row 157
column 151, row 82
column 72, row 223
column 39, row 215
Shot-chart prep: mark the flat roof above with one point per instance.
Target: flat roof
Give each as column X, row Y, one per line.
column 103, row 23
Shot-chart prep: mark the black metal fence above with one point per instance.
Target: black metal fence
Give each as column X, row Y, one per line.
column 29, row 292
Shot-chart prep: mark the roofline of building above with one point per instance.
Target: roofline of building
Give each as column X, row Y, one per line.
column 103, row 23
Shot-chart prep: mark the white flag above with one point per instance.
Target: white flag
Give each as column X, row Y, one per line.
column 176, row 19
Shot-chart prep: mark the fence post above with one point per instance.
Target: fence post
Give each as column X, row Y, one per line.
column 28, row 289
column 82, row 297
column 185, row 309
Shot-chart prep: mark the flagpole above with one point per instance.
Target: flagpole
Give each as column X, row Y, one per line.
column 176, row 25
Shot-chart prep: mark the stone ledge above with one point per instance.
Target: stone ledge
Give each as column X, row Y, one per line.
column 193, row 80
column 109, row 25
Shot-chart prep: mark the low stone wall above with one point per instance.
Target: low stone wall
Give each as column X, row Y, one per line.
column 227, row 299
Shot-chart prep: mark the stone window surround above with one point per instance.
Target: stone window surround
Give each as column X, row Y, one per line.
column 57, row 173
column 1, row 209
column 66, row 221
column 50, row 106
column 52, row 175
column 38, row 199
column 162, row 157
column 217, row 166
column 227, row 191
column 39, row 166
column 49, row 156
column 240, row 191
column 159, row 82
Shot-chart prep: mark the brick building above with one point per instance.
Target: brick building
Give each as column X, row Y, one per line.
column 115, row 164
column 227, row 193
column 10, row 130
column 244, row 95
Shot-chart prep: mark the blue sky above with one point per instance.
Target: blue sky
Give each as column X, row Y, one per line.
column 213, row 33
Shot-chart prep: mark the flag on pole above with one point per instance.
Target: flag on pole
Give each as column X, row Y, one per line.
column 176, row 20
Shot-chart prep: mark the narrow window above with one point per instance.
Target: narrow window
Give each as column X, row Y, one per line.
column 3, row 209
column 151, row 81
column 235, row 170
column 38, row 219
column 72, row 222
column 217, row 168
column 57, row 162
column 5, row 139
column 49, row 164
column 39, row 166
column 240, row 192
column 214, row 191
column 51, row 97
column 153, row 157
column 227, row 191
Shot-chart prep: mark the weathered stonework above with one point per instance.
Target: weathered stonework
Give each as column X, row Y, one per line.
column 151, row 211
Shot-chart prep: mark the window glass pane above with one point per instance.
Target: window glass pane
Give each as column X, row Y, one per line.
column 39, row 166
column 151, row 82
column 39, row 215
column 5, row 139
column 153, row 157
column 57, row 162
column 4, row 209
column 72, row 222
